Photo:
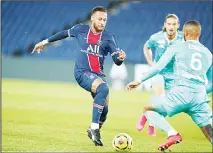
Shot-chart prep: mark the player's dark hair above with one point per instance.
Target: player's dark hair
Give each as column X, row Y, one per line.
column 170, row 16
column 99, row 8
column 193, row 23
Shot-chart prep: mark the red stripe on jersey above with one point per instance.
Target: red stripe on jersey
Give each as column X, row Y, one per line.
column 94, row 63
column 93, row 60
column 93, row 38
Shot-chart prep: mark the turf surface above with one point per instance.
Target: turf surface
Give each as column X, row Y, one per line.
column 48, row 116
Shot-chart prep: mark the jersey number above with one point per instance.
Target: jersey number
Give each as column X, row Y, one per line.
column 196, row 63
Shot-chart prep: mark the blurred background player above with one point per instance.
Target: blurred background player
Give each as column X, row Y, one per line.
column 95, row 43
column 192, row 65
column 159, row 42
column 118, row 75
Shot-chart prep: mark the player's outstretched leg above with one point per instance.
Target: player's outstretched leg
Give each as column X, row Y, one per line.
column 161, row 123
column 98, row 106
column 158, row 88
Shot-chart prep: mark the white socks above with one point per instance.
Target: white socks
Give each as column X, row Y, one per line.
column 150, row 124
column 172, row 132
column 94, row 126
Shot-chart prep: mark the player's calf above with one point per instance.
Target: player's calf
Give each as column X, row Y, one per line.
column 103, row 116
column 98, row 106
column 207, row 131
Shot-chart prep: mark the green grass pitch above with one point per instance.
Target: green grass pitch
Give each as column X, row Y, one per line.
column 48, row 116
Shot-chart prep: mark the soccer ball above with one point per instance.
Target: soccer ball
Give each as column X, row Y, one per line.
column 122, row 142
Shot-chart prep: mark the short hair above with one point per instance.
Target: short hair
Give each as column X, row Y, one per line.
column 192, row 23
column 98, row 8
column 170, row 16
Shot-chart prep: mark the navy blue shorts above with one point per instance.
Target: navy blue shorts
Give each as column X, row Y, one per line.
column 85, row 79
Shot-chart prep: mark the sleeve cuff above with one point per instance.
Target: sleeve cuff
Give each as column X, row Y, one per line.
column 138, row 80
column 44, row 42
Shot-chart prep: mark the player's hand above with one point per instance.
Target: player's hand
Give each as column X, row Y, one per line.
column 122, row 56
column 132, row 85
column 38, row 48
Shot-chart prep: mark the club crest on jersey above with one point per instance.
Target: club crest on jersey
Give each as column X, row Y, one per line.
column 92, row 76
column 93, row 49
column 99, row 42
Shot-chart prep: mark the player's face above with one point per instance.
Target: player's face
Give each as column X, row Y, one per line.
column 99, row 20
column 171, row 26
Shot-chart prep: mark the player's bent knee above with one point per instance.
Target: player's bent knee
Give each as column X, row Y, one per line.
column 95, row 84
column 103, row 89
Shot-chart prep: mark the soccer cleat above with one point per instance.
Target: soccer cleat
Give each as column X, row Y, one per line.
column 151, row 131
column 89, row 133
column 141, row 123
column 171, row 140
column 95, row 136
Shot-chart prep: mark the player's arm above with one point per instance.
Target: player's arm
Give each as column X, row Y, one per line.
column 58, row 36
column 148, row 54
column 118, row 55
column 147, row 50
column 155, row 69
column 160, row 65
column 209, row 77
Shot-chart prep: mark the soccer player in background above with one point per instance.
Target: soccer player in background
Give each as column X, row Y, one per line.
column 95, row 43
column 158, row 43
column 192, row 65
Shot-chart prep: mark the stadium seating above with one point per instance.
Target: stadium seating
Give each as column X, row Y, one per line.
column 25, row 23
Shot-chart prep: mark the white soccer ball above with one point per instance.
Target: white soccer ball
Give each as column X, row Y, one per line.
column 122, row 142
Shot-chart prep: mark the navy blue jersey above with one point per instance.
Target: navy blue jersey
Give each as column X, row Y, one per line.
column 94, row 48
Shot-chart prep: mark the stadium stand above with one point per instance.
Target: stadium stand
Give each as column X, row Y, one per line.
column 26, row 23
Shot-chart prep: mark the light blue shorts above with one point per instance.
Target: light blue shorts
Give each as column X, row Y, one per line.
column 180, row 99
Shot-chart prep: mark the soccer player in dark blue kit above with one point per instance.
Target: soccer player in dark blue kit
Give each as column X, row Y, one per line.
column 95, row 43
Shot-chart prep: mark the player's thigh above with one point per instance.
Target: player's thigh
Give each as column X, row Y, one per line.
column 99, row 80
column 159, row 105
column 201, row 113
column 177, row 101
column 90, row 81
column 173, row 102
